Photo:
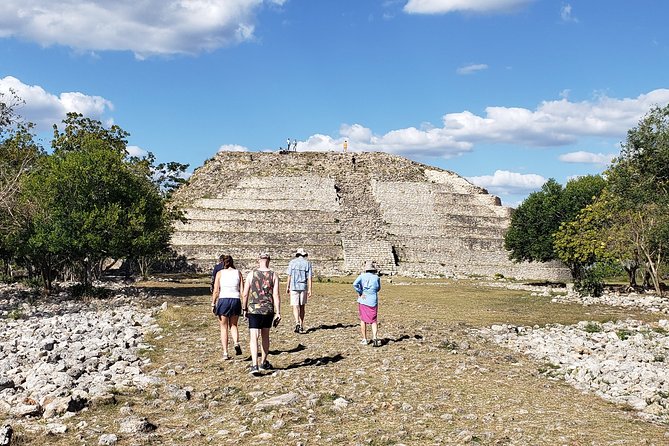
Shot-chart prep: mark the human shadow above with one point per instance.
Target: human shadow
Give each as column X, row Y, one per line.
column 316, row 362
column 296, row 349
column 405, row 337
column 330, row 327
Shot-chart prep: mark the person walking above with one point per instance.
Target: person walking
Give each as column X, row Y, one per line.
column 226, row 303
column 299, row 285
column 261, row 304
column 217, row 268
column 368, row 285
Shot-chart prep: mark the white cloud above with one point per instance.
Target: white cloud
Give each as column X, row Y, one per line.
column 565, row 14
column 503, row 182
column 232, row 148
column 587, row 157
column 136, row 151
column 446, row 6
column 409, row 141
column 473, row 68
column 552, row 123
column 149, row 27
column 45, row 109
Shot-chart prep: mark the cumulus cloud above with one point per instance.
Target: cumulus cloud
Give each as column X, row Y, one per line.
column 552, row 123
column 232, row 148
column 408, row 141
column 149, row 27
column 503, row 182
column 472, row 68
column 446, row 6
column 565, row 14
column 588, row 157
column 45, row 109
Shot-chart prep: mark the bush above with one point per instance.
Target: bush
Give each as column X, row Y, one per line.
column 591, row 280
column 593, row 327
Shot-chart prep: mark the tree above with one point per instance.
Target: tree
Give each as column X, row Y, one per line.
column 639, row 179
column 530, row 234
column 93, row 203
column 18, row 155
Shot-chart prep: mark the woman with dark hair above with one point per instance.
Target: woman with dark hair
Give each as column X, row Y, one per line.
column 226, row 303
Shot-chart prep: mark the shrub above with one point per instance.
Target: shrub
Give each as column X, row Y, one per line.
column 593, row 327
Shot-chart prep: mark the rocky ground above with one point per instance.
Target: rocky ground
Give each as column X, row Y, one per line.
column 437, row 379
column 624, row 361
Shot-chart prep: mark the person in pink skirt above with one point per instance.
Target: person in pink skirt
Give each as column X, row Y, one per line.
column 368, row 285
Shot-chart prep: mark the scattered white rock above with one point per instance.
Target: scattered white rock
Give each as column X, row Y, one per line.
column 339, row 404
column 650, row 302
column 63, row 354
column 107, row 440
column 281, row 400
column 624, row 362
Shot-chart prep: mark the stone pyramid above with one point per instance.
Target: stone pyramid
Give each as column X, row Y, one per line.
column 345, row 208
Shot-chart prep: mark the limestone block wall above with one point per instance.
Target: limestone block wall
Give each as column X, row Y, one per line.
column 344, row 209
column 357, row 252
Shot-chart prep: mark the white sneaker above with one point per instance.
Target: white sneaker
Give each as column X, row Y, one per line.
column 364, row 342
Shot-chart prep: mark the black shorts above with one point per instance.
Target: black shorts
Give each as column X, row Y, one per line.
column 228, row 307
column 260, row 320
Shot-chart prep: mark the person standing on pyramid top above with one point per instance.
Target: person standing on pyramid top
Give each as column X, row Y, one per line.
column 299, row 286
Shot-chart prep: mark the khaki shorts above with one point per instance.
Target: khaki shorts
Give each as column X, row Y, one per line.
column 298, row 297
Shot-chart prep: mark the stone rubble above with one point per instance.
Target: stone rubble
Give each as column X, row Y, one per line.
column 650, row 302
column 624, row 362
column 61, row 355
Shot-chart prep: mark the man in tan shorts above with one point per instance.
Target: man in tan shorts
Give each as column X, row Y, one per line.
column 299, row 286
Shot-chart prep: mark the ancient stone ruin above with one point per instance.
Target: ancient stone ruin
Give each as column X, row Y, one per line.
column 345, row 208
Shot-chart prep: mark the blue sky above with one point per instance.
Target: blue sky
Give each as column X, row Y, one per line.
column 507, row 93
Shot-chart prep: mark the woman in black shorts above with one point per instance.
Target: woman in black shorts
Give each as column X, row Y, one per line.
column 226, row 303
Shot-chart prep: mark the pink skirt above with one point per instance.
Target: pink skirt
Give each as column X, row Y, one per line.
column 367, row 314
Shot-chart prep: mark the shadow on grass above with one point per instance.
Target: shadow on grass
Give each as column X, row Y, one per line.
column 316, row 362
column 330, row 327
column 386, row 341
column 297, row 348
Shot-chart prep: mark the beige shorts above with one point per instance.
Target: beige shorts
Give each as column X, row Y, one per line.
column 298, row 297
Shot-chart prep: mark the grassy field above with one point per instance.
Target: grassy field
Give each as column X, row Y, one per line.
column 434, row 381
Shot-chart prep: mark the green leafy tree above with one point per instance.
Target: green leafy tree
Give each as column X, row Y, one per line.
column 581, row 244
column 93, row 203
column 530, row 234
column 18, row 155
column 639, row 179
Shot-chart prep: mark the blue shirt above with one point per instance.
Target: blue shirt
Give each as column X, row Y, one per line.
column 299, row 270
column 368, row 284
